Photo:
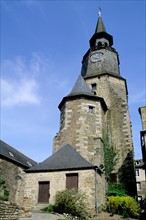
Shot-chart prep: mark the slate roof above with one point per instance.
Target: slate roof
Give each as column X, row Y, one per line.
column 66, row 158
column 100, row 32
column 81, row 87
column 100, row 26
column 16, row 157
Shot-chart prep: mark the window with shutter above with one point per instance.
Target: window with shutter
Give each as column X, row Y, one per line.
column 72, row 181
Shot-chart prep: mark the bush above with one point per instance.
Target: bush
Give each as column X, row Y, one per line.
column 116, row 189
column 123, row 205
column 72, row 202
column 50, row 208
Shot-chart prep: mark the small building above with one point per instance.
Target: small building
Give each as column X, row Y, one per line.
column 12, row 166
column 65, row 169
column 140, row 180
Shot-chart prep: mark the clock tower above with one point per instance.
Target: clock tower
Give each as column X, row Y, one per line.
column 101, row 57
column 98, row 105
column 100, row 70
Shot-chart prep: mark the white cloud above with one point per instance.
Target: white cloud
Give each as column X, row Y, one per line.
column 29, row 81
column 19, row 83
column 19, row 92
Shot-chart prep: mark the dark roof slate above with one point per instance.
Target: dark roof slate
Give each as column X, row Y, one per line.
column 66, row 158
column 13, row 155
column 100, row 26
column 81, row 87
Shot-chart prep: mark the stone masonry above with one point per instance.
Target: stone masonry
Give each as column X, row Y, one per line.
column 87, row 180
column 9, row 173
column 82, row 129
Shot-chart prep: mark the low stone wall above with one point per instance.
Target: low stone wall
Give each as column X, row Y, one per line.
column 8, row 211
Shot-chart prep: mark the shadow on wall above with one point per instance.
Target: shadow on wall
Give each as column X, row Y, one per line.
column 126, row 174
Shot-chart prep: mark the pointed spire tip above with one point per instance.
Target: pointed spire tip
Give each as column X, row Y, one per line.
column 99, row 12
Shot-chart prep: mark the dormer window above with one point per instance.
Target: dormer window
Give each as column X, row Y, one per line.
column 29, row 164
column 11, row 154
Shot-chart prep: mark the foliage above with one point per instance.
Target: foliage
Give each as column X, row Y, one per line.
column 123, row 205
column 2, row 182
column 110, row 156
column 116, row 189
column 50, row 208
column 70, row 201
column 4, row 192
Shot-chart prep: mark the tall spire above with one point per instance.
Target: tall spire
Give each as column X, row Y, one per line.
column 100, row 32
column 100, row 26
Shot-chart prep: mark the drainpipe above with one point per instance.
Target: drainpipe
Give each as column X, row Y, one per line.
column 96, row 200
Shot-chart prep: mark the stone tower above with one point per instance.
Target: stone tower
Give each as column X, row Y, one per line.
column 97, row 104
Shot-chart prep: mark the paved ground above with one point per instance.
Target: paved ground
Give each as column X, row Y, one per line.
column 48, row 216
column 41, row 216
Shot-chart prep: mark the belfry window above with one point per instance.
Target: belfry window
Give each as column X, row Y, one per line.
column 91, row 109
column 99, row 44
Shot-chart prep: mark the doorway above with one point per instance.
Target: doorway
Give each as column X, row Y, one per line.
column 44, row 192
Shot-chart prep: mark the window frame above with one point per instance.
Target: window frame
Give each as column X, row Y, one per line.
column 74, row 178
column 91, row 109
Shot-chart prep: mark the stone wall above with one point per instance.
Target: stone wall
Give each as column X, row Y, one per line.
column 82, row 129
column 87, row 183
column 8, row 211
column 113, row 90
column 9, row 172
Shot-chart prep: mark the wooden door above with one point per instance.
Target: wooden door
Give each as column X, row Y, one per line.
column 44, row 192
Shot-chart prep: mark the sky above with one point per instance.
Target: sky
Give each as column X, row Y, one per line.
column 42, row 46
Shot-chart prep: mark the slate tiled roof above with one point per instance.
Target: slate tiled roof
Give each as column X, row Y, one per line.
column 13, row 155
column 100, row 32
column 81, row 87
column 66, row 158
column 100, row 26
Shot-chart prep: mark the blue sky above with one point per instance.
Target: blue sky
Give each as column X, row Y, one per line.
column 42, row 45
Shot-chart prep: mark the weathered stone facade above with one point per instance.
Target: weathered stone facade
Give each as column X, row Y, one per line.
column 100, row 70
column 90, row 183
column 82, row 129
column 9, row 172
column 8, row 211
column 118, row 126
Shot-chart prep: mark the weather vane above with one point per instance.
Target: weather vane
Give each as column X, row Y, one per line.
column 99, row 12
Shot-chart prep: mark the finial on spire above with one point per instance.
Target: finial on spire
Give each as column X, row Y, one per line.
column 99, row 12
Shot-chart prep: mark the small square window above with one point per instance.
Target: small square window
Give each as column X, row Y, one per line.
column 93, row 86
column 91, row 109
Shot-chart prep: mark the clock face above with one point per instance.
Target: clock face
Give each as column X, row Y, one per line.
column 96, row 57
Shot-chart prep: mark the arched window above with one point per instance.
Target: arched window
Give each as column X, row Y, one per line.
column 105, row 44
column 99, row 44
